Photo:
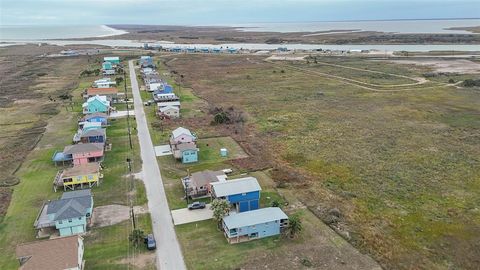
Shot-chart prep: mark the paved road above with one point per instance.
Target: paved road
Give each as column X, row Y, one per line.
column 169, row 254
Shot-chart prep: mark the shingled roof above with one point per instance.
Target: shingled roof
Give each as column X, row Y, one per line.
column 52, row 254
column 73, row 204
column 82, row 148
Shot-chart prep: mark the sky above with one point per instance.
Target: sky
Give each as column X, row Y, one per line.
column 225, row 12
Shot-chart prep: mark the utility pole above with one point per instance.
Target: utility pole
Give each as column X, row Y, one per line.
column 128, row 110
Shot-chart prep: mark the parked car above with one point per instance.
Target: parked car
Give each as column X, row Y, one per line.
column 150, row 242
column 196, row 205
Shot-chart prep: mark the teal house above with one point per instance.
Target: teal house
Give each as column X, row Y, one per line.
column 107, row 66
column 96, row 104
column 114, row 60
column 186, row 152
column 69, row 215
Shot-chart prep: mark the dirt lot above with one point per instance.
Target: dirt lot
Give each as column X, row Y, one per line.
column 113, row 214
column 401, row 167
column 461, row 66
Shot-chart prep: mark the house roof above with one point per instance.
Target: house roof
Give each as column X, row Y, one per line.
column 82, row 169
column 164, row 109
column 186, row 146
column 94, row 132
column 109, row 58
column 82, row 148
column 254, row 217
column 102, row 91
column 93, row 115
column 102, row 99
column 179, row 131
column 199, row 179
column 73, row 204
column 169, row 103
column 236, row 186
column 52, row 254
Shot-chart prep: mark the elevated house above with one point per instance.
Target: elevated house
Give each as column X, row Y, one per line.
column 114, row 60
column 69, row 215
column 162, row 104
column 64, row 253
column 98, row 135
column 185, row 152
column 198, row 184
column 182, row 135
column 102, row 83
column 96, row 104
column 243, row 193
column 81, row 153
column 80, row 176
column 95, row 118
column 110, row 92
column 153, row 86
column 168, row 112
column 147, row 71
column 254, row 224
column 108, row 72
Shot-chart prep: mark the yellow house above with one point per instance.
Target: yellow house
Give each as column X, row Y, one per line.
column 81, row 175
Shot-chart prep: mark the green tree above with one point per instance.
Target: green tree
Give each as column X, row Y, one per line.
column 220, row 209
column 136, row 237
column 294, row 227
column 118, row 80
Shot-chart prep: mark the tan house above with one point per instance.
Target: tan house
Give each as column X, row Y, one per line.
column 199, row 183
column 53, row 254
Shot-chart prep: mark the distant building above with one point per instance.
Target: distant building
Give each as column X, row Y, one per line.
column 81, row 153
column 146, row 62
column 108, row 72
column 114, row 60
column 254, row 224
column 243, row 193
column 110, row 92
column 95, row 117
column 107, row 65
column 182, row 135
column 52, row 254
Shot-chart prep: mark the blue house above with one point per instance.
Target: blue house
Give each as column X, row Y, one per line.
column 242, row 193
column 114, row 60
column 254, row 224
column 96, row 118
column 69, row 215
column 232, row 50
column 92, row 136
column 146, row 62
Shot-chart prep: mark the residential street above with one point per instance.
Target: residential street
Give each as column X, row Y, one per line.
column 169, row 255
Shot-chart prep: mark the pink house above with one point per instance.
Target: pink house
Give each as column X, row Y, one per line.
column 182, row 135
column 84, row 153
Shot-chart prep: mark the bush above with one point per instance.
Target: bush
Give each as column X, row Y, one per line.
column 471, row 83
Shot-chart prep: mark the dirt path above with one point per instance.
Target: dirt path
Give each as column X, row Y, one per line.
column 356, row 83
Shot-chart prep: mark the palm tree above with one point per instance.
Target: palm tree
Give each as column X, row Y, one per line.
column 220, row 209
column 294, row 226
column 136, row 237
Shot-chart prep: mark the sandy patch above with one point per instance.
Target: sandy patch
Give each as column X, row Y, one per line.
column 141, row 261
column 113, row 214
column 286, row 58
column 461, row 66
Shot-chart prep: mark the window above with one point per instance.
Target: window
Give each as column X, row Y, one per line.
column 69, row 220
column 90, row 177
column 80, row 218
column 60, row 222
column 243, row 194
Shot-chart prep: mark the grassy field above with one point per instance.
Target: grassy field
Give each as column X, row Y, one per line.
column 36, row 175
column 401, row 167
column 211, row 251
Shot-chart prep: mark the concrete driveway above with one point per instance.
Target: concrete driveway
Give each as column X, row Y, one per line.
column 120, row 114
column 183, row 216
column 163, row 150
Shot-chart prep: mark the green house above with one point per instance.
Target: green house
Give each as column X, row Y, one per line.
column 96, row 104
column 107, row 65
column 114, row 60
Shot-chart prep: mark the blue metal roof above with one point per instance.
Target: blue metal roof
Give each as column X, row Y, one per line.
column 60, row 156
column 254, row 217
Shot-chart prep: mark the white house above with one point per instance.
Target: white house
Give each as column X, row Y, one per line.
column 169, row 111
column 168, row 103
column 104, row 83
column 154, row 86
